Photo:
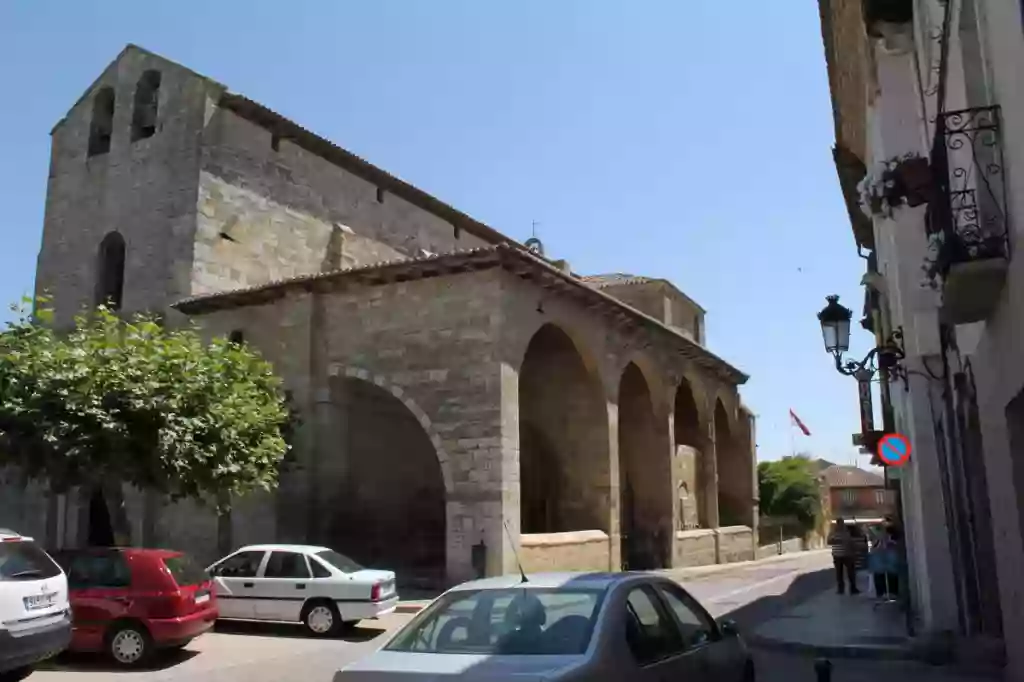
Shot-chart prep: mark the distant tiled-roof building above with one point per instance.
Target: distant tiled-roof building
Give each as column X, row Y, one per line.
column 854, row 493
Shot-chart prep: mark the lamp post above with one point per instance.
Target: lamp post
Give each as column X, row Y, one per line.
column 835, row 331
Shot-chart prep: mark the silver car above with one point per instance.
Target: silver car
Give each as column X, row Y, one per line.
column 568, row 627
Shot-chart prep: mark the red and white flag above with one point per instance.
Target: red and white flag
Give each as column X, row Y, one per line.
column 799, row 424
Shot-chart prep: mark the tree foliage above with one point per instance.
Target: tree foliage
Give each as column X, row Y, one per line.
column 789, row 488
column 134, row 401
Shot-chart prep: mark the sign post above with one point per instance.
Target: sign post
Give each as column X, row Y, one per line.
column 867, row 408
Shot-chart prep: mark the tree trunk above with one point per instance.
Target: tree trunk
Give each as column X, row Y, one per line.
column 108, row 517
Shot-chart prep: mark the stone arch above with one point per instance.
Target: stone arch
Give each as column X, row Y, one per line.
column 110, row 271
column 732, row 489
column 565, row 472
column 146, row 105
column 101, row 126
column 590, row 357
column 383, row 470
column 692, row 451
column 645, row 476
column 443, row 458
column 656, row 380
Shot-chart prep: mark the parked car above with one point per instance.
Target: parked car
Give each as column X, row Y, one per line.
column 316, row 586
column 35, row 619
column 130, row 602
column 581, row 627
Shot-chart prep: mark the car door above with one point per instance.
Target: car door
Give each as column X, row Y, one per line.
column 654, row 641
column 283, row 586
column 717, row 657
column 234, row 579
column 98, row 587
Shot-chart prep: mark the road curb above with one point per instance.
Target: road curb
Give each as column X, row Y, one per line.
column 684, row 572
column 410, row 606
column 842, row 651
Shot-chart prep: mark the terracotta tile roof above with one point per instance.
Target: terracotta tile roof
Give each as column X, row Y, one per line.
column 510, row 257
column 841, row 476
column 612, row 279
column 615, row 278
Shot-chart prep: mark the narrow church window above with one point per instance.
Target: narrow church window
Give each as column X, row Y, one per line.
column 380, row 195
column 237, row 337
column 147, row 97
column 110, row 278
column 102, row 125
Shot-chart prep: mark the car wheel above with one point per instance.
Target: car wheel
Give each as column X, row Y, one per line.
column 16, row 675
column 321, row 618
column 128, row 645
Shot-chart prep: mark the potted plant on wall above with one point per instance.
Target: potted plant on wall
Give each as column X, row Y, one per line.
column 903, row 180
column 880, row 15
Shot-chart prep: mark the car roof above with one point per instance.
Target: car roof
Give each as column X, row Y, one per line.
column 132, row 551
column 598, row 581
column 304, row 549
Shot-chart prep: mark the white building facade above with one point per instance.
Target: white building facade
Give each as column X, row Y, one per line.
column 929, row 109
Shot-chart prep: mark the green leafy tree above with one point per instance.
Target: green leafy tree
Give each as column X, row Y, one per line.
column 132, row 401
column 789, row 489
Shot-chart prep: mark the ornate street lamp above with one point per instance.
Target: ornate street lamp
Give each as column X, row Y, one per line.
column 835, row 332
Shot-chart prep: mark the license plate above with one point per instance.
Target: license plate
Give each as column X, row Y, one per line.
column 39, row 601
column 202, row 598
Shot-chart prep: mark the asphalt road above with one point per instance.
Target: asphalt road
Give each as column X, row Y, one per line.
column 246, row 652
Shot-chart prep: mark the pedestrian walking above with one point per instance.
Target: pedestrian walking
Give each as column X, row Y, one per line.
column 844, row 557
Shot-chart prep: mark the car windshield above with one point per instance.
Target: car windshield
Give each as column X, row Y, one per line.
column 22, row 560
column 185, row 571
column 510, row 621
column 339, row 561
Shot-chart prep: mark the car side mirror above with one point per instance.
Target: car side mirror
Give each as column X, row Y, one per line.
column 728, row 628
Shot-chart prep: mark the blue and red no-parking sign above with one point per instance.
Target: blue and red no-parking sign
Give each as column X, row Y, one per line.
column 894, row 449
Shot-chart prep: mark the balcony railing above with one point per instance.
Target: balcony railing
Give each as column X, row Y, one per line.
column 967, row 217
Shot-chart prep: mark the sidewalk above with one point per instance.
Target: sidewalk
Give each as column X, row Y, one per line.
column 845, row 627
column 781, row 667
column 836, row 625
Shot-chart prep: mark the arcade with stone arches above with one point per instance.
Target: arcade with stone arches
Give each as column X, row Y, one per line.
column 630, row 466
column 563, row 432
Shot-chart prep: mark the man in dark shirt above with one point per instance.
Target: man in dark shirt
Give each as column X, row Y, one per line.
column 844, row 556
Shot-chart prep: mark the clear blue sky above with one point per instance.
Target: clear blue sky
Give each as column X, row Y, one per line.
column 681, row 139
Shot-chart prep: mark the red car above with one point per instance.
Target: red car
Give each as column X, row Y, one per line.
column 130, row 602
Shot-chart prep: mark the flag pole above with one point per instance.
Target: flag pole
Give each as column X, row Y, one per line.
column 792, row 443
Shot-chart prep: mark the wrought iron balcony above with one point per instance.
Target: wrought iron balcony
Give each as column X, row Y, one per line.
column 967, row 217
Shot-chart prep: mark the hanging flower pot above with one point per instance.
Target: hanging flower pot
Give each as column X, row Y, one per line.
column 913, row 180
column 877, row 13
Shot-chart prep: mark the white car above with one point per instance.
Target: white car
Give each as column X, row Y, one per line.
column 315, row 586
column 35, row 617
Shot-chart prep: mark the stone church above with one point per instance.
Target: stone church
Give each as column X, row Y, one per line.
column 465, row 398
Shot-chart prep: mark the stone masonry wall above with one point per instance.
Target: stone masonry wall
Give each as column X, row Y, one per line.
column 244, row 239
column 735, row 543
column 686, row 475
column 572, row 551
column 696, row 547
column 429, row 343
column 298, row 197
column 146, row 190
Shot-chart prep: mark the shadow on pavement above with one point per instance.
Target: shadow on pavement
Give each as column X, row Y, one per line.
column 81, row 662
column 361, row 633
column 751, row 615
